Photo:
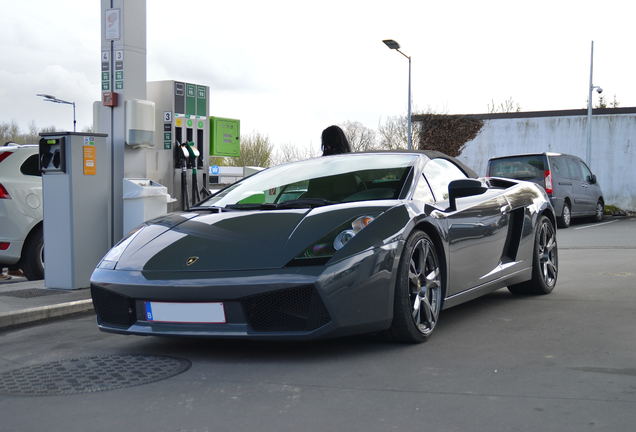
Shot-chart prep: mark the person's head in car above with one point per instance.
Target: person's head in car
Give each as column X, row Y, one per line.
column 334, row 141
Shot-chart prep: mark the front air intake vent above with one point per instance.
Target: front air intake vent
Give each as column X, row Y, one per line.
column 294, row 309
column 111, row 308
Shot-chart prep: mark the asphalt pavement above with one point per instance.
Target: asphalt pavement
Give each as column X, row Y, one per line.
column 561, row 362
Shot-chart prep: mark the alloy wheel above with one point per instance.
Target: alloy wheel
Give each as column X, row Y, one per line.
column 425, row 286
column 567, row 216
column 547, row 250
column 599, row 211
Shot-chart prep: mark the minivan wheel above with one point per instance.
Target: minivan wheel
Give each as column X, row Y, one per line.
column 600, row 210
column 565, row 219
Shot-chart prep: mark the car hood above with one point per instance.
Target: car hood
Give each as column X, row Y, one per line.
column 236, row 240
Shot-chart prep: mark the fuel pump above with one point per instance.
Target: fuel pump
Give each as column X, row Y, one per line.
column 181, row 110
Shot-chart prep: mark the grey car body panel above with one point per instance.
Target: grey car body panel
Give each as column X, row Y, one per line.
column 246, row 253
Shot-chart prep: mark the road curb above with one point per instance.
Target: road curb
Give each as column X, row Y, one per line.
column 31, row 315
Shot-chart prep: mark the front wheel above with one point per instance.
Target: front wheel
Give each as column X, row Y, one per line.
column 598, row 213
column 545, row 262
column 419, row 290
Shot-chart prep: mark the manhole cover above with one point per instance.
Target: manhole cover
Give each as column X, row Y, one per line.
column 90, row 374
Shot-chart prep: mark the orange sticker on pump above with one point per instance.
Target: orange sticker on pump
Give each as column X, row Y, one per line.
column 90, row 166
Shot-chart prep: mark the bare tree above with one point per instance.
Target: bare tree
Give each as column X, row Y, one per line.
column 507, row 106
column 394, row 133
column 256, row 150
column 32, row 137
column 603, row 103
column 10, row 132
column 360, row 137
column 49, row 129
column 289, row 153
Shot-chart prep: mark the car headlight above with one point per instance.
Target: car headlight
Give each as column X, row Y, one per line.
column 356, row 226
column 112, row 256
column 326, row 247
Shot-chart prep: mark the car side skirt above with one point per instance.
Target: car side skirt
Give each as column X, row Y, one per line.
column 478, row 291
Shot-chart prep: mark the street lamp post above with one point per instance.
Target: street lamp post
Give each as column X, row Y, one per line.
column 396, row 46
column 49, row 98
column 588, row 147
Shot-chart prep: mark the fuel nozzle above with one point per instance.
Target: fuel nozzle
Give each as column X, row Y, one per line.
column 181, row 155
column 193, row 151
column 193, row 154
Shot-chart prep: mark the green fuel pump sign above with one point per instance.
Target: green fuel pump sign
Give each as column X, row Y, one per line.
column 225, row 137
column 190, row 99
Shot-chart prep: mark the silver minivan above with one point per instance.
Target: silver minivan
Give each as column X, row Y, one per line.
column 570, row 184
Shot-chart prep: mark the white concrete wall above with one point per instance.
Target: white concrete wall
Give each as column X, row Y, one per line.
column 613, row 147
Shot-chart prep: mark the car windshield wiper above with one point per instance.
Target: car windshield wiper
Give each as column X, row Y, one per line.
column 291, row 204
column 207, row 208
column 252, row 206
column 305, row 202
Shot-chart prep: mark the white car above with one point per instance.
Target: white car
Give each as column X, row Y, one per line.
column 21, row 239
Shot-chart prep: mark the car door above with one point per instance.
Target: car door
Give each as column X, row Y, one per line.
column 477, row 229
column 561, row 182
column 580, row 204
column 590, row 189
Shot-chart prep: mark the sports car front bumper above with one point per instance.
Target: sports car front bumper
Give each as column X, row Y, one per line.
column 354, row 295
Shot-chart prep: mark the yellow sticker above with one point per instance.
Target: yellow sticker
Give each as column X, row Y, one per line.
column 179, row 122
column 90, row 166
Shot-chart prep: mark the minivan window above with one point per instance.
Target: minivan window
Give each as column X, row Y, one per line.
column 574, row 169
column 558, row 166
column 587, row 174
column 531, row 167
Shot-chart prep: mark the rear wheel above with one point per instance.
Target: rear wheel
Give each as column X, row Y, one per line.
column 545, row 262
column 419, row 290
column 33, row 256
column 566, row 216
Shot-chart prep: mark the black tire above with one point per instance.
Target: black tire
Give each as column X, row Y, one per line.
column 565, row 219
column 545, row 262
column 599, row 212
column 419, row 291
column 33, row 255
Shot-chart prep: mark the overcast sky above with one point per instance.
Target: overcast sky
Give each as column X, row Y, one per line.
column 290, row 68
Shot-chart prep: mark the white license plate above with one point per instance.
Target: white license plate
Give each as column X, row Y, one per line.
column 203, row 313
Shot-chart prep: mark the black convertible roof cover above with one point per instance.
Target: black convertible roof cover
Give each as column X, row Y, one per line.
column 434, row 154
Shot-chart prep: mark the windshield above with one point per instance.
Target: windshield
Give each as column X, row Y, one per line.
column 320, row 181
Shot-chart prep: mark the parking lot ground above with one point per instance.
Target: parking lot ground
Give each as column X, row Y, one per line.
column 561, row 362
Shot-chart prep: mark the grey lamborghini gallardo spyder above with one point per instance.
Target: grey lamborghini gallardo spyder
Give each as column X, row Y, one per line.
column 337, row 245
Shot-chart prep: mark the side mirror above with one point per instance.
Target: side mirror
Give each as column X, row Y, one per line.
column 592, row 179
column 464, row 188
